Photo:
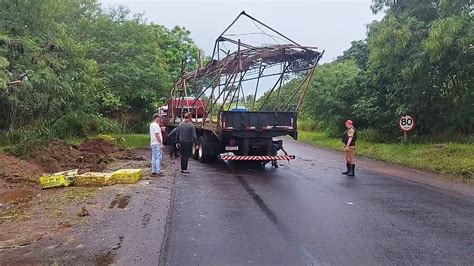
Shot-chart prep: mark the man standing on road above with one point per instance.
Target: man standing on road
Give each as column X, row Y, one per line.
column 156, row 140
column 349, row 140
column 185, row 138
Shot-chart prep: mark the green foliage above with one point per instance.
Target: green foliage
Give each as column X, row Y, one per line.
column 62, row 61
column 82, row 124
column 133, row 141
column 70, row 125
column 453, row 159
column 417, row 60
column 308, row 125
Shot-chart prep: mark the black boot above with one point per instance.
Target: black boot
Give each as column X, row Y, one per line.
column 348, row 165
column 352, row 172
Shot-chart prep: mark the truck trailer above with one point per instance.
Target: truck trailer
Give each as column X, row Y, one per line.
column 226, row 126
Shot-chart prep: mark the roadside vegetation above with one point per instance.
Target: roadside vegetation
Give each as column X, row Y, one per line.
column 72, row 69
column 452, row 159
column 132, row 141
column 417, row 60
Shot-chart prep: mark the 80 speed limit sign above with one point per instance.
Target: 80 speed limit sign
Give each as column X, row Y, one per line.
column 406, row 123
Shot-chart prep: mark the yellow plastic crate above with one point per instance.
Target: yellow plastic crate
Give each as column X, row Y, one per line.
column 93, row 179
column 127, row 176
column 61, row 179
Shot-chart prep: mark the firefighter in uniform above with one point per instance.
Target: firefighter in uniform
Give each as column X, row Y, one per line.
column 349, row 140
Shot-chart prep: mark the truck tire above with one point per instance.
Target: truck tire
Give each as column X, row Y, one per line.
column 203, row 149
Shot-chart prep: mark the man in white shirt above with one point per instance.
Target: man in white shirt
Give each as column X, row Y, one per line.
column 156, row 141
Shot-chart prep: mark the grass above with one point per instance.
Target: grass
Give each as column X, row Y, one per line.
column 453, row 159
column 126, row 141
column 75, row 140
column 132, row 141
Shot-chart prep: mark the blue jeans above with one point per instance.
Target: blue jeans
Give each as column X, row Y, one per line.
column 156, row 156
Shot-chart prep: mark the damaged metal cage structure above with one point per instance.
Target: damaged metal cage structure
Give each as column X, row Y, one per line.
column 222, row 79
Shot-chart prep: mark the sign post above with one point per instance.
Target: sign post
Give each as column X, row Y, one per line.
column 406, row 123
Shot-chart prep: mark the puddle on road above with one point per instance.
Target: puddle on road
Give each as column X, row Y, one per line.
column 121, row 201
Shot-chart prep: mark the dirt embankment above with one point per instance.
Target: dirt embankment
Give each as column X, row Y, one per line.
column 19, row 176
column 57, row 155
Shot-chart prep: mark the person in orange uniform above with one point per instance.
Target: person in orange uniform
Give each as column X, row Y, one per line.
column 349, row 140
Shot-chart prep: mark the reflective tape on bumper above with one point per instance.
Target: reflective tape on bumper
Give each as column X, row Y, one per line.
column 256, row 158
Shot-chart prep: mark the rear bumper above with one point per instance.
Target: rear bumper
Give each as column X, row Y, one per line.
column 256, row 158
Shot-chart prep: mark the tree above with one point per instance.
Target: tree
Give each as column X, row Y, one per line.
column 71, row 59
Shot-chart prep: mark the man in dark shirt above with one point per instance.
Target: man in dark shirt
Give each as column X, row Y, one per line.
column 185, row 139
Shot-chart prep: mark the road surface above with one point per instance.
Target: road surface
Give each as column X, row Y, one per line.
column 307, row 213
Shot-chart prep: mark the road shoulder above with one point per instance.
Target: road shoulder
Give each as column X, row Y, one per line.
column 393, row 170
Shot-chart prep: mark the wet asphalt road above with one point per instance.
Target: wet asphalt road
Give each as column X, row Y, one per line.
column 307, row 213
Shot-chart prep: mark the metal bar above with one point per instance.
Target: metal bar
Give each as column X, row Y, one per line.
column 276, row 74
column 244, row 102
column 260, row 72
column 234, row 74
column 212, row 82
column 233, row 95
column 274, row 86
column 219, row 76
column 216, row 43
column 238, row 96
column 279, row 89
column 300, row 102
column 231, row 24
column 229, row 92
column 296, row 92
column 248, row 46
column 303, row 94
column 268, row 27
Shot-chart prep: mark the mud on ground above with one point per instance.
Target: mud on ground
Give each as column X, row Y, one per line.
column 63, row 225
column 57, row 155
column 19, row 176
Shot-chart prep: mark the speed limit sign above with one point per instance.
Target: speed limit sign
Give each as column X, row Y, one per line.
column 406, row 123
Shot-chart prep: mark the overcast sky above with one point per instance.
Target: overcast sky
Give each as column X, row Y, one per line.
column 330, row 25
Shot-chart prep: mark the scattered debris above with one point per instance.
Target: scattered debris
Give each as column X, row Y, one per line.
column 93, row 179
column 127, row 176
column 64, row 225
column 83, row 212
column 60, row 179
column 67, row 178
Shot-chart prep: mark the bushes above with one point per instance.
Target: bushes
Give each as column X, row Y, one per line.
column 70, row 125
column 370, row 135
column 308, row 125
column 446, row 158
column 81, row 125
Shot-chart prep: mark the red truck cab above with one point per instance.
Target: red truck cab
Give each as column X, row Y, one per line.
column 171, row 114
column 177, row 107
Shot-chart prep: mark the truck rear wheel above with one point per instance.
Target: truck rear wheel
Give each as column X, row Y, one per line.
column 203, row 152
